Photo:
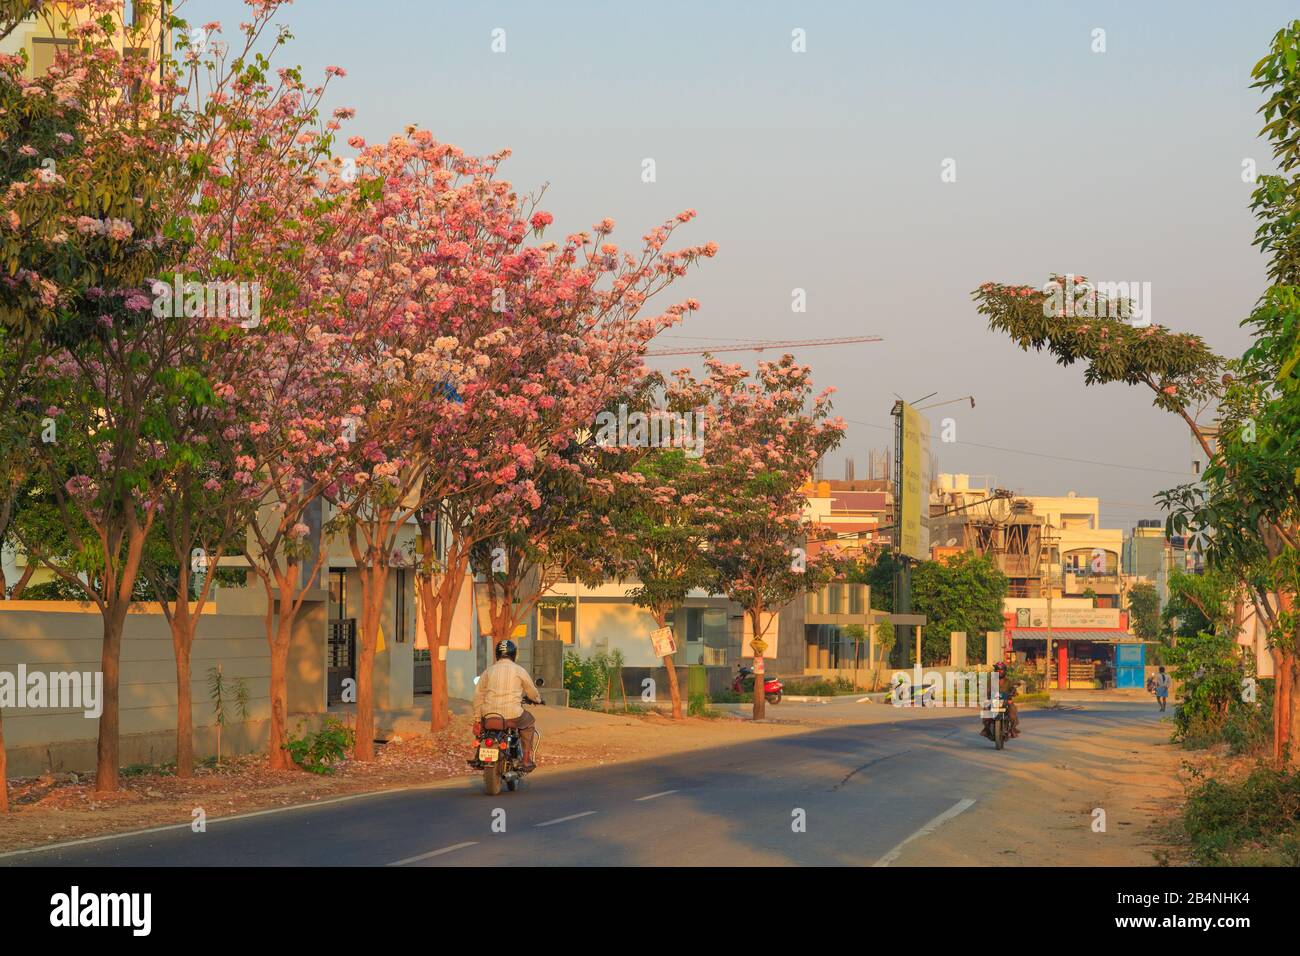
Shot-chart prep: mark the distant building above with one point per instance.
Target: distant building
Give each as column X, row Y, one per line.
column 857, row 511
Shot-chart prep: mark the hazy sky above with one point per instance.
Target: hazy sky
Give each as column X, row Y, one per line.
column 821, row 171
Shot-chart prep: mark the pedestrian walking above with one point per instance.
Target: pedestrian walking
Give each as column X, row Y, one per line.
column 1160, row 684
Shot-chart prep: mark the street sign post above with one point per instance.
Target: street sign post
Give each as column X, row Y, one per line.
column 664, row 644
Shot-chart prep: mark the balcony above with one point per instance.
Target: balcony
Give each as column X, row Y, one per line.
column 1077, row 582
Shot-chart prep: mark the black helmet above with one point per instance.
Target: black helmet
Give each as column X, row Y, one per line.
column 507, row 649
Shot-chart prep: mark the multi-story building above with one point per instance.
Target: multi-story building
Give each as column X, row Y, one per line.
column 858, row 512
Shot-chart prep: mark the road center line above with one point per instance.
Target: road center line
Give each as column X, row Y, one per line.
column 431, row 855
column 572, row 816
column 961, row 806
column 661, row 793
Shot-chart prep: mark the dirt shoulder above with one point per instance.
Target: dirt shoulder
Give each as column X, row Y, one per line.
column 1046, row 814
column 45, row 810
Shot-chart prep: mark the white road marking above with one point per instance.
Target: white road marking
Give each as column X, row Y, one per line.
column 961, row 806
column 572, row 816
column 661, row 793
column 431, row 855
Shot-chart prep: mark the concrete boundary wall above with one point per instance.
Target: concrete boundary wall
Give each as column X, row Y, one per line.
column 51, row 636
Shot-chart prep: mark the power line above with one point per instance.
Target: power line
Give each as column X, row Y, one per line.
column 1038, row 454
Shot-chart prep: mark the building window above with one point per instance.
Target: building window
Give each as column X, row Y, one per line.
column 556, row 620
column 704, row 633
column 338, row 593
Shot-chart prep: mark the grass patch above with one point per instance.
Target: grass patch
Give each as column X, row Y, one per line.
column 698, row 706
column 819, row 687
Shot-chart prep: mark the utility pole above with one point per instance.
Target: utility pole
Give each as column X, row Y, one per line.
column 1047, row 661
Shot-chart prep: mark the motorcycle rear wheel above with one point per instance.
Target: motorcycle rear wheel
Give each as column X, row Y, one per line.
column 492, row 779
column 774, row 698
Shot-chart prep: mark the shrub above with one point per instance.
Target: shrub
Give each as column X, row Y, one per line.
column 1210, row 708
column 1256, row 819
column 319, row 752
column 586, row 678
column 698, row 706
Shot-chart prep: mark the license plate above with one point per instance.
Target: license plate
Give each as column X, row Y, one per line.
column 489, row 754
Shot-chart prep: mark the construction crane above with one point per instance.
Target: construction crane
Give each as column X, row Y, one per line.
column 760, row 345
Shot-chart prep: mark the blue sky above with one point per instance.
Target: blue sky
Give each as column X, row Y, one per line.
column 821, row 170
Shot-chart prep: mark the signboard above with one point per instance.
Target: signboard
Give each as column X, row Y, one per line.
column 1091, row 618
column 914, row 489
column 770, row 629
column 663, row 642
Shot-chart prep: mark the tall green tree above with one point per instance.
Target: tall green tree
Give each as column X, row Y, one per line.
column 1144, row 611
column 1246, row 511
column 962, row 593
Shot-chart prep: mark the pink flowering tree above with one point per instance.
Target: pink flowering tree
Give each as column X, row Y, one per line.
column 766, row 432
column 129, row 390
column 568, row 336
column 262, row 145
column 480, row 355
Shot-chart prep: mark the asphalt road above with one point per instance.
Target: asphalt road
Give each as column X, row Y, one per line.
column 860, row 790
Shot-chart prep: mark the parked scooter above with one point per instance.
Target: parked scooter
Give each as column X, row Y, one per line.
column 500, row 753
column 744, row 684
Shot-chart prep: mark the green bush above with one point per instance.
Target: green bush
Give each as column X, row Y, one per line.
column 586, row 678
column 814, row 687
column 1255, row 820
column 698, row 706
column 729, row 696
column 1210, row 708
column 319, row 752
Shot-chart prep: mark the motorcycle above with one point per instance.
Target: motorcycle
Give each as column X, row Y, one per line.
column 772, row 686
column 499, row 753
column 997, row 720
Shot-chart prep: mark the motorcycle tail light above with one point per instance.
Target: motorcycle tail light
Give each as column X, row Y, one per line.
column 504, row 745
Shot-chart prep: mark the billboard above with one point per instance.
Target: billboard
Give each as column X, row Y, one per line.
column 914, row 486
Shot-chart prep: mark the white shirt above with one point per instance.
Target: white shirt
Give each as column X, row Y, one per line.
column 500, row 690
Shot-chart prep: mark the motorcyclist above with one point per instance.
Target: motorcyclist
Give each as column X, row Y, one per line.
column 1008, row 692
column 501, row 689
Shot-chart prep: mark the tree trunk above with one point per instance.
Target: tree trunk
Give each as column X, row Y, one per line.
column 277, row 756
column 107, row 747
column 436, row 608
column 21, row 586
column 1283, row 695
column 503, row 625
column 760, row 677
column 1293, row 728
column 439, row 698
column 372, row 587
column 674, row 692
column 4, row 764
column 182, row 642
